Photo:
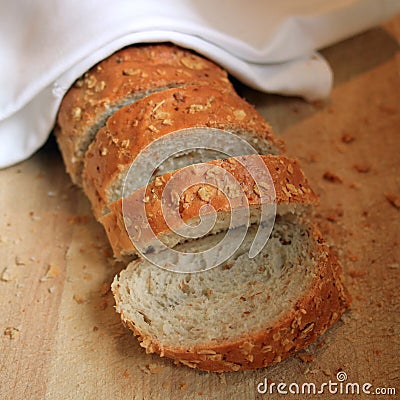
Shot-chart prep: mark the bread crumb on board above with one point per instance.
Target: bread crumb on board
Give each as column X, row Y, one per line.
column 11, row 332
column 393, row 199
column 362, row 168
column 19, row 260
column 155, row 368
column 347, row 138
column 53, row 270
column 305, row 357
column 79, row 299
column 331, row 177
column 6, row 275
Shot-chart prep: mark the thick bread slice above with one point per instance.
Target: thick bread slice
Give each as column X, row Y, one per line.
column 292, row 191
column 244, row 314
column 135, row 126
column 122, row 78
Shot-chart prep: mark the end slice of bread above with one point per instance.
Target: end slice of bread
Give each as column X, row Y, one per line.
column 244, row 314
column 121, row 79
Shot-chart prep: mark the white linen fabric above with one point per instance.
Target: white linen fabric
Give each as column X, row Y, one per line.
column 46, row 45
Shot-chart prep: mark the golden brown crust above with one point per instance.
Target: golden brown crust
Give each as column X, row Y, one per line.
column 133, row 127
column 128, row 74
column 291, row 187
column 318, row 309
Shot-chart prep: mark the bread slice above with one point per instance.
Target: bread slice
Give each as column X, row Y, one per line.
column 124, row 77
column 134, row 127
column 292, row 195
column 244, row 314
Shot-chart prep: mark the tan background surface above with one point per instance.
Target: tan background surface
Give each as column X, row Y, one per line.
column 59, row 335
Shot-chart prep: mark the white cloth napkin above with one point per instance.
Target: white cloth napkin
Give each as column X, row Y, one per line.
column 269, row 45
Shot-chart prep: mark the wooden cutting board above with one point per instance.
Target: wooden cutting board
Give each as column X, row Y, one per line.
column 60, row 337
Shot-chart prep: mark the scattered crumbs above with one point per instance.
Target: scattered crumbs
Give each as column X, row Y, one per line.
column 200, row 393
column 34, row 217
column 183, row 386
column 222, row 379
column 79, row 219
column 95, row 328
column 334, row 215
column 353, row 257
column 155, row 368
column 104, row 289
column 19, row 260
column 354, row 186
column 305, row 357
column 51, row 289
column 313, row 158
column 339, row 148
column 53, row 270
column 32, row 258
column 313, row 371
column 393, row 199
column 326, row 372
column 331, row 177
column 127, row 373
column 87, row 276
column 11, row 332
column 347, row 138
column 6, row 275
column 362, row 168
column 79, row 299
column 346, row 318
column 144, row 369
column 394, row 266
column 356, row 273
column 50, row 193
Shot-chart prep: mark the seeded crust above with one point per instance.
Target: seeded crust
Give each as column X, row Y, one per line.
column 314, row 312
column 122, row 78
column 291, row 190
column 135, row 126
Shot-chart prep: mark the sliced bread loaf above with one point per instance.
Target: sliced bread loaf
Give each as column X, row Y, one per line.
column 243, row 314
column 291, row 190
column 134, row 127
column 124, row 77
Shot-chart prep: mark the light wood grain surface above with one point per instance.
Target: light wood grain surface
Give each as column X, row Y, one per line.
column 60, row 337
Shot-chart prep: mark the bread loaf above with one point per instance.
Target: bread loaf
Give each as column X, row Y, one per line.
column 244, row 313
